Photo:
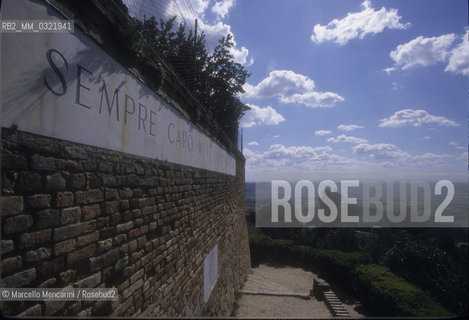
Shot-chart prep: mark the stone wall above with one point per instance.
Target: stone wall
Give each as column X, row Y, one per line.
column 79, row 216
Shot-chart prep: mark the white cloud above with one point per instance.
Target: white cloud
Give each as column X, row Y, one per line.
column 380, row 151
column 358, row 25
column 221, row 8
column 415, row 118
column 276, row 136
column 389, row 70
column 422, row 51
column 348, row 127
column 396, row 86
column 292, row 87
column 322, row 132
column 459, row 58
column 258, row 115
column 281, row 82
column 457, row 146
column 426, row 138
column 293, row 158
column 278, row 151
column 213, row 33
column 390, row 152
column 349, row 139
column 241, row 56
column 313, row 99
column 373, row 158
column 200, row 6
column 253, row 143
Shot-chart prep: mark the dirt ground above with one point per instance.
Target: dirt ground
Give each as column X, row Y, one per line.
column 295, row 279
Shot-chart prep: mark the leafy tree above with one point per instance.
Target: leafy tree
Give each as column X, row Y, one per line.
column 214, row 79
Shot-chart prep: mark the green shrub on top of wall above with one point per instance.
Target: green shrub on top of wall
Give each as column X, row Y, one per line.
column 385, row 294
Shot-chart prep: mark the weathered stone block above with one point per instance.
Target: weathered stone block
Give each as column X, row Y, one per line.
column 70, row 215
column 123, row 227
column 146, row 202
column 19, row 279
column 33, row 239
column 90, row 212
column 65, row 246
column 126, row 193
column 108, row 232
column 102, row 221
column 17, row 224
column 78, row 181
column 43, row 163
column 120, row 238
column 11, row 205
column 6, row 246
column 10, row 265
column 89, row 282
column 104, row 245
column 68, row 276
column 14, row 161
column 51, row 267
column 46, row 219
column 121, row 263
column 124, row 205
column 88, row 238
column 86, row 197
column 107, row 273
column 69, row 165
column 97, row 263
column 64, row 199
column 93, row 181
column 111, row 194
column 134, row 233
column 111, row 207
column 130, row 290
column 81, row 254
column 74, row 230
column 101, row 308
column 37, row 254
column 49, row 283
column 141, row 241
column 55, row 182
column 109, row 180
column 29, row 182
column 137, row 275
column 38, row 201
column 75, row 152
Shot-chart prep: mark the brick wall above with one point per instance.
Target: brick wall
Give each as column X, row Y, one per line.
column 80, row 216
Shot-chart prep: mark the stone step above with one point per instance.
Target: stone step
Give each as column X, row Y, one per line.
column 337, row 305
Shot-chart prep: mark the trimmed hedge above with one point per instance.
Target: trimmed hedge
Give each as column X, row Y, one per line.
column 332, row 262
column 383, row 293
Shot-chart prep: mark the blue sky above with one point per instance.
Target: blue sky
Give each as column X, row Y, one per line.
column 349, row 86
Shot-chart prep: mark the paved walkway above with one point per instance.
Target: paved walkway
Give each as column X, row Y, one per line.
column 271, row 292
column 260, row 285
column 280, row 292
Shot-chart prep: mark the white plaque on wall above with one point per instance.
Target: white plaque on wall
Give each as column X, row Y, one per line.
column 63, row 85
column 210, row 271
